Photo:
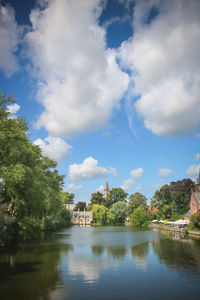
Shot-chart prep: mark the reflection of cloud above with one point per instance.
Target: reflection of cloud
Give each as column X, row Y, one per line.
column 88, row 267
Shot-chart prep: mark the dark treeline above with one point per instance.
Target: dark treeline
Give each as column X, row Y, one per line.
column 31, row 198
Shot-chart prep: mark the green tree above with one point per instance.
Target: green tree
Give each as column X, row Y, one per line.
column 30, row 185
column 139, row 217
column 97, row 198
column 181, row 193
column 118, row 210
column 67, row 198
column 136, row 200
column 195, row 221
column 100, row 214
column 115, row 195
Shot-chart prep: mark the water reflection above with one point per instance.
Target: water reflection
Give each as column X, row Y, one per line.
column 178, row 252
column 101, row 263
column 139, row 254
column 29, row 271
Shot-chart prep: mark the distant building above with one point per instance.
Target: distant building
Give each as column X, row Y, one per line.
column 79, row 217
column 195, row 199
column 106, row 190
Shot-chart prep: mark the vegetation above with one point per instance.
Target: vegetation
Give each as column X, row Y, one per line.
column 172, row 200
column 139, row 217
column 195, row 221
column 30, row 186
column 136, row 200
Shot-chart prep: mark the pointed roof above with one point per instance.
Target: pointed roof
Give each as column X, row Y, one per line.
column 107, row 186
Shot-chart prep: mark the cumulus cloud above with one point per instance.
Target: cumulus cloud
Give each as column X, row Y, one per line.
column 136, row 173
column 89, row 169
column 164, row 172
column 165, row 67
column 9, row 37
column 193, row 170
column 127, row 184
column 80, row 82
column 13, row 108
column 54, row 147
column 72, row 187
column 197, row 156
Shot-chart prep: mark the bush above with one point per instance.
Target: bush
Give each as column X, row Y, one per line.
column 28, row 228
column 195, row 221
column 139, row 217
column 51, row 223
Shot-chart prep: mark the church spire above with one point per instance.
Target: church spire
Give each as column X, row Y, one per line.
column 106, row 190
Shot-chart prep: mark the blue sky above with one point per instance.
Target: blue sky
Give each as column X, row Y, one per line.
column 109, row 88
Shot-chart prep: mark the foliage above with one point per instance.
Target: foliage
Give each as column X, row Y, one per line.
column 136, row 200
column 61, row 219
column 80, row 206
column 195, row 221
column 102, row 215
column 115, row 195
column 118, row 210
column 139, row 217
column 173, row 199
column 30, row 186
column 67, row 198
column 97, row 198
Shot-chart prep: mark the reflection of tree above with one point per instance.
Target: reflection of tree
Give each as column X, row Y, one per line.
column 139, row 253
column 31, row 272
column 117, row 252
column 97, row 250
column 177, row 254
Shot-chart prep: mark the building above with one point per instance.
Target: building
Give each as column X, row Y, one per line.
column 106, row 190
column 195, row 199
column 79, row 217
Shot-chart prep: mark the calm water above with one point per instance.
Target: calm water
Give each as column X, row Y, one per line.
column 102, row 263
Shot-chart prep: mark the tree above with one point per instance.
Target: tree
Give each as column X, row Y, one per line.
column 195, row 221
column 80, row 206
column 118, row 210
column 115, row 195
column 100, row 214
column 136, row 200
column 67, row 198
column 29, row 183
column 181, row 193
column 139, row 217
column 97, row 198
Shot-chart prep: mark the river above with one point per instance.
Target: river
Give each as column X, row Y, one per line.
column 102, row 263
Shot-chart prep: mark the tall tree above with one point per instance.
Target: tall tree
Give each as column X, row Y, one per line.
column 116, row 195
column 136, row 200
column 97, row 198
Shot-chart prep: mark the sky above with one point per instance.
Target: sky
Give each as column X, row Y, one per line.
column 110, row 89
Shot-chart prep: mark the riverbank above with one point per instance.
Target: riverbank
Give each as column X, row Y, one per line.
column 185, row 230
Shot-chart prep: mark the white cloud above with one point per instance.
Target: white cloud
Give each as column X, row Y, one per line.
column 165, row 66
column 164, row 172
column 136, row 173
column 80, row 83
column 54, row 147
column 72, row 187
column 127, row 183
column 100, row 189
column 9, row 37
column 193, row 171
column 89, row 169
column 197, row 156
column 13, row 108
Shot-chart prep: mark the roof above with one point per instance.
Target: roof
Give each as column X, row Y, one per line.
column 197, row 197
column 188, row 214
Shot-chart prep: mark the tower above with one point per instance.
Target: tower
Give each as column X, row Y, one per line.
column 106, row 190
column 197, row 183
